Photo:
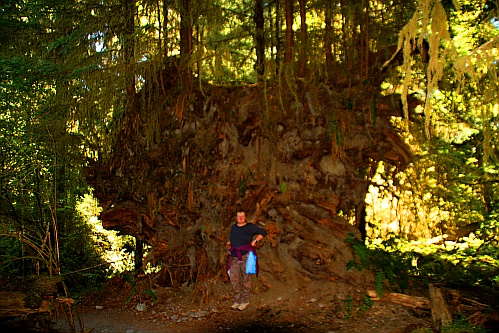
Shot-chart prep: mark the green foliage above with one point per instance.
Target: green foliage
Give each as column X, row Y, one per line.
column 352, row 307
column 81, row 263
column 152, row 293
column 461, row 325
column 203, row 232
column 388, row 266
column 128, row 278
column 348, row 307
column 368, row 303
column 378, row 281
column 40, row 182
column 359, row 249
column 495, row 282
column 423, row 330
column 242, row 183
column 41, row 179
column 471, row 263
column 284, row 187
column 460, row 266
column 63, row 96
column 334, row 128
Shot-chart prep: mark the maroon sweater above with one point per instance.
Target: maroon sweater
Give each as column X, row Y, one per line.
column 245, row 248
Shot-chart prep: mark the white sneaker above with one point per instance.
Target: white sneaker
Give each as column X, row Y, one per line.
column 243, row 306
column 235, row 306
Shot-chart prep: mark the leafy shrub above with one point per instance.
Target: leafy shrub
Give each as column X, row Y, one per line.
column 395, row 260
column 392, row 267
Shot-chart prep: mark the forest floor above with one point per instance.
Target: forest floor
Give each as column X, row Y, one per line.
column 312, row 306
column 320, row 307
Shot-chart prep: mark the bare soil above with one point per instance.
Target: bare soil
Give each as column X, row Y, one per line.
column 318, row 307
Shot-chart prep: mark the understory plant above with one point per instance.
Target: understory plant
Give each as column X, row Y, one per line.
column 395, row 261
column 387, row 266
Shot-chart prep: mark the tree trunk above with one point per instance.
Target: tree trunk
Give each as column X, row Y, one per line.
column 328, row 33
column 185, row 50
column 129, row 55
column 288, row 52
column 277, row 33
column 360, row 220
column 364, row 43
column 139, row 254
column 303, row 38
column 164, row 31
column 351, row 10
column 185, row 29
column 259, row 39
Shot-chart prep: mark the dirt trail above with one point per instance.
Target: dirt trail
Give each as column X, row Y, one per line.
column 322, row 307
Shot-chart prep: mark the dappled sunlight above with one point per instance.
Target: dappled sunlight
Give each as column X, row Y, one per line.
column 116, row 250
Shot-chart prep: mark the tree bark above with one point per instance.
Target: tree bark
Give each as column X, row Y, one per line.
column 277, row 33
column 288, row 52
column 139, row 254
column 303, row 38
column 185, row 29
column 259, row 40
column 328, row 33
column 129, row 55
column 128, row 51
column 186, row 25
column 360, row 220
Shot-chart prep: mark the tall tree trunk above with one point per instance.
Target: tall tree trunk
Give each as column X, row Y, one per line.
column 259, row 40
column 277, row 33
column 288, row 53
column 364, row 42
column 328, row 33
column 185, row 44
column 350, row 11
column 303, row 38
column 164, row 29
column 360, row 220
column 129, row 54
column 185, row 29
column 139, row 254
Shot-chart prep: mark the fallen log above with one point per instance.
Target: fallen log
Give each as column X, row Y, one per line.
column 16, row 304
column 29, row 301
column 415, row 302
column 439, row 310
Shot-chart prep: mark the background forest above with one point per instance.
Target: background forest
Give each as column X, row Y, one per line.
column 371, row 118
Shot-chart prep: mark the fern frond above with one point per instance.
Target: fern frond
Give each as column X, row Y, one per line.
column 363, row 254
column 380, row 279
column 353, row 264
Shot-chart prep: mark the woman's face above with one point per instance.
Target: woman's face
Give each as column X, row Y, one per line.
column 241, row 217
